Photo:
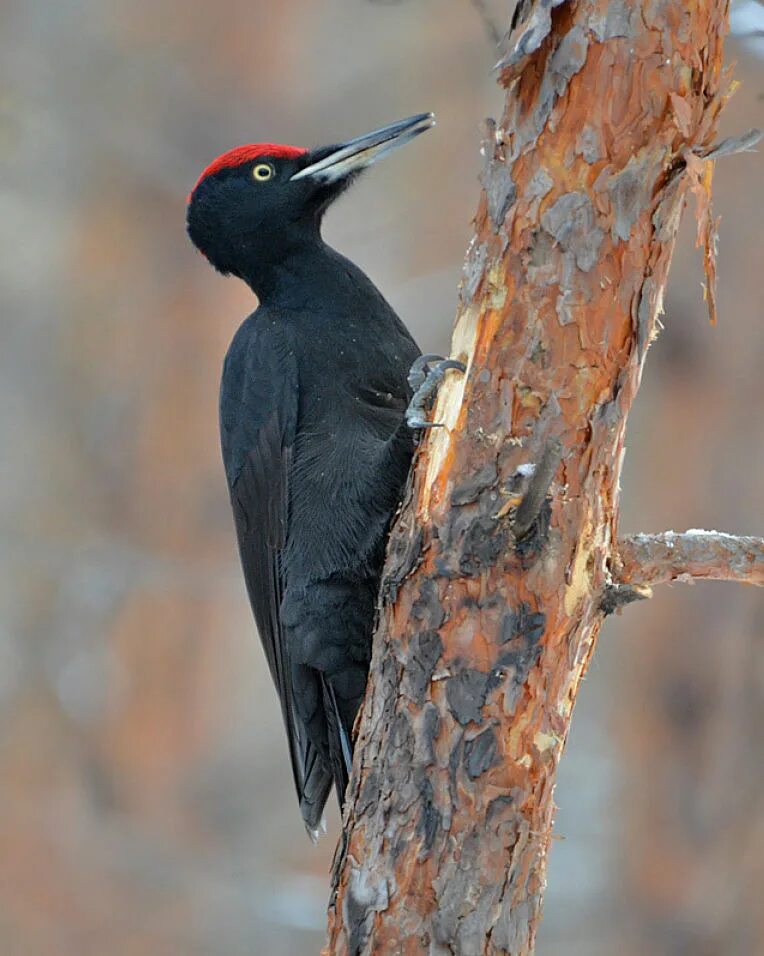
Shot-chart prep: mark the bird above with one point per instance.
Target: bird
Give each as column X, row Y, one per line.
column 318, row 418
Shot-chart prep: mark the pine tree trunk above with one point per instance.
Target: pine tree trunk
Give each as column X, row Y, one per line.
column 492, row 610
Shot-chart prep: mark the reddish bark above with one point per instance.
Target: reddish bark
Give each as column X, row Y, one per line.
column 484, row 639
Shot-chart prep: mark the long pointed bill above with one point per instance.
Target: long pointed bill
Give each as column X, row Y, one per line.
column 361, row 152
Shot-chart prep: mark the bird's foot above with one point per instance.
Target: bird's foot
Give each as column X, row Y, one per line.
column 424, row 377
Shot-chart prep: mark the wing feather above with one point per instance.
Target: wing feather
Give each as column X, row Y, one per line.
column 258, row 423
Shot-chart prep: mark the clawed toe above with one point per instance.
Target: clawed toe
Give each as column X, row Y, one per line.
column 424, row 377
column 420, row 368
column 414, row 420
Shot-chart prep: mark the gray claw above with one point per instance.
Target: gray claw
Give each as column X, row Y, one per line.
column 425, row 376
column 420, row 369
column 416, row 422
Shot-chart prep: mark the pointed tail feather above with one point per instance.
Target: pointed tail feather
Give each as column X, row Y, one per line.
column 316, row 787
column 340, row 750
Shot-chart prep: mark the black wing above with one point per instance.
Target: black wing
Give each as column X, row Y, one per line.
column 258, row 412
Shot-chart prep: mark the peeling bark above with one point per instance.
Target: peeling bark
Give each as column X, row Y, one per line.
column 485, row 634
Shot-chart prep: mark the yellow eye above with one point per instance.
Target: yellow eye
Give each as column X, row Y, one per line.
column 263, row 172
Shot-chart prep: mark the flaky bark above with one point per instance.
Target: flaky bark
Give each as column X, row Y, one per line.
column 490, row 619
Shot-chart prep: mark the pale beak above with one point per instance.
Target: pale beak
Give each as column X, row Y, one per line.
column 351, row 157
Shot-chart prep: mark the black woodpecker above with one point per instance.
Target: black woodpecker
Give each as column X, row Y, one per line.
column 316, row 443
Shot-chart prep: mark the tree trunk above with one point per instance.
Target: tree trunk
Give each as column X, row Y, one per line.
column 492, row 610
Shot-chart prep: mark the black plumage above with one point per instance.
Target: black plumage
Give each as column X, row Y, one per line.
column 315, row 445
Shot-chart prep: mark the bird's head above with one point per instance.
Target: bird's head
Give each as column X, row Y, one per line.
column 256, row 203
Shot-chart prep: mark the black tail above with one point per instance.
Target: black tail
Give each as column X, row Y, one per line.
column 340, row 750
column 315, row 792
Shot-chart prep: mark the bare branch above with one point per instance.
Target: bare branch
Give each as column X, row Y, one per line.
column 691, row 555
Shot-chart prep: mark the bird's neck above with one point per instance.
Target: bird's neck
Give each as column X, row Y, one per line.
column 290, row 274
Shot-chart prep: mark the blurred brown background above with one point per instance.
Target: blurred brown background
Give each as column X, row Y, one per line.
column 146, row 804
